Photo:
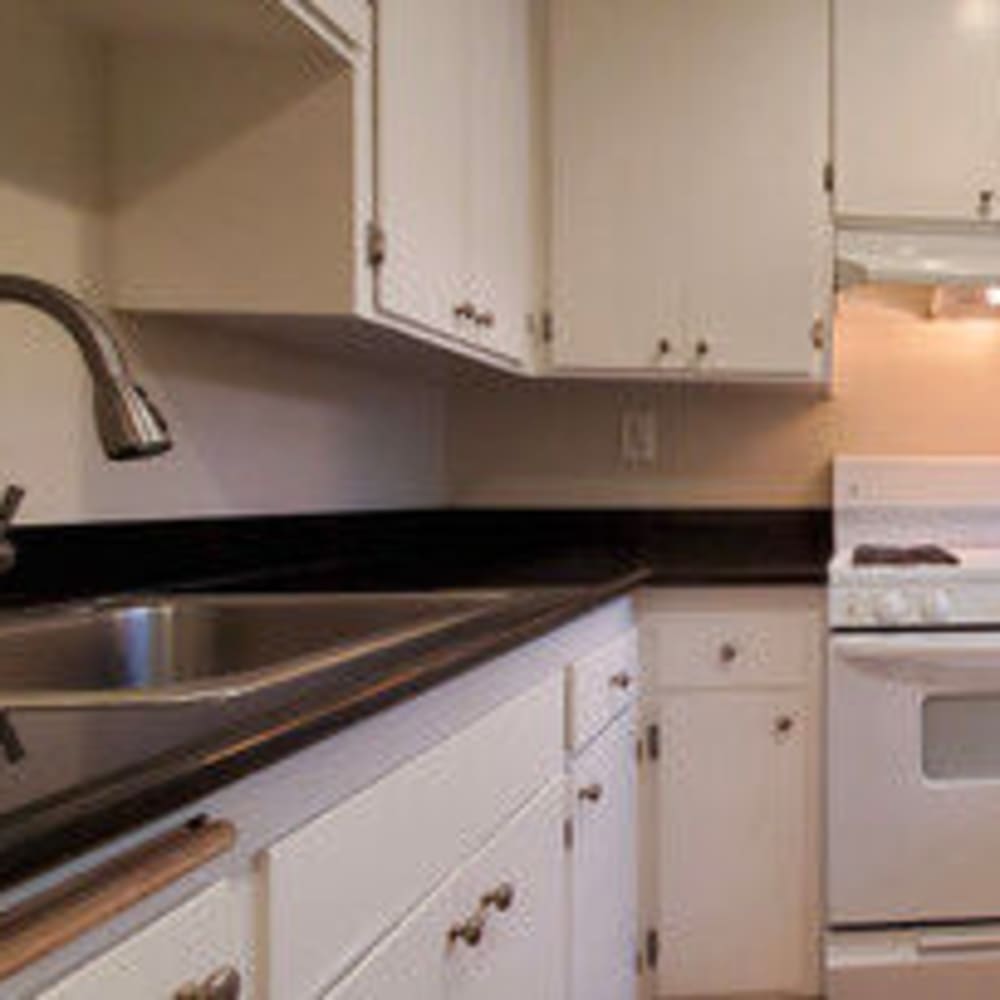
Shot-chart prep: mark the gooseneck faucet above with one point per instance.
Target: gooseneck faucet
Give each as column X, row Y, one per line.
column 128, row 423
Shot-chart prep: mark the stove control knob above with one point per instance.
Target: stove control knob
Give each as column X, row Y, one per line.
column 891, row 608
column 936, row 607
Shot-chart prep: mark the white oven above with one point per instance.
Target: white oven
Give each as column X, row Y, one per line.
column 913, row 732
column 913, row 778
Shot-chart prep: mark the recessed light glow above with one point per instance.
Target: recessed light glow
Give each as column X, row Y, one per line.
column 992, row 296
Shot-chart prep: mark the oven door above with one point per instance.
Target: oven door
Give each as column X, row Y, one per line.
column 913, row 797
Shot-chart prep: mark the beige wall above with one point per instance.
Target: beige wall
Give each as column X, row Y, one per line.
column 260, row 427
column 903, row 384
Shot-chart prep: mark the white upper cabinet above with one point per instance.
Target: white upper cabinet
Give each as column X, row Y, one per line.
column 917, row 108
column 454, row 166
column 422, row 159
column 691, row 229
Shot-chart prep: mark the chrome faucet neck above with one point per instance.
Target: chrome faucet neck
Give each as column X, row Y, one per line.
column 9, row 504
column 128, row 423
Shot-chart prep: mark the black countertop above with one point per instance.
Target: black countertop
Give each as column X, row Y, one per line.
column 566, row 561
column 417, row 549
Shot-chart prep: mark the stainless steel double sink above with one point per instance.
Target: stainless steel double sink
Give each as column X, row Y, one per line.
column 208, row 648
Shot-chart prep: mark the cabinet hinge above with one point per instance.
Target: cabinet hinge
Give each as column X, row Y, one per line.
column 548, row 331
column 652, row 948
column 829, row 177
column 568, row 834
column 376, row 245
column 653, row 741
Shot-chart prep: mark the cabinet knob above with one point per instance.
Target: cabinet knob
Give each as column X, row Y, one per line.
column 783, row 725
column 465, row 310
column 223, row 984
column 469, row 932
column 591, row 793
column 984, row 207
column 701, row 348
column 486, row 319
column 622, row 680
column 501, row 898
column 663, row 347
column 728, row 652
column 817, row 334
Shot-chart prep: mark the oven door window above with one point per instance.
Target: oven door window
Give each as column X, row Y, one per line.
column 961, row 736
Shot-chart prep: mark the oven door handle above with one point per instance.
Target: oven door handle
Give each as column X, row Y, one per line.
column 943, row 943
column 950, row 653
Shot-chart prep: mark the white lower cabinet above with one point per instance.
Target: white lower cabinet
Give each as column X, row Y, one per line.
column 205, row 942
column 494, row 930
column 731, row 825
column 336, row 886
column 604, row 921
column 732, row 843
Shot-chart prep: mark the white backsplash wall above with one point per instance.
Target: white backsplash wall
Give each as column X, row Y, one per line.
column 903, row 385
column 260, row 427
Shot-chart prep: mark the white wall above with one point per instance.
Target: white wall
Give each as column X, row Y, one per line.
column 904, row 385
column 259, row 427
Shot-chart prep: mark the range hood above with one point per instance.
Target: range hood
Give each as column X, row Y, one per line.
column 926, row 253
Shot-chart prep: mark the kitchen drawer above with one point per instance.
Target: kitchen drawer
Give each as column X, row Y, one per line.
column 779, row 645
column 206, row 935
column 337, row 885
column 599, row 686
column 520, row 953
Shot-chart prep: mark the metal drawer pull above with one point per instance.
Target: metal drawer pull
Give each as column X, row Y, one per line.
column 55, row 917
column 591, row 793
column 223, row 984
column 622, row 680
column 465, row 310
column 486, row 319
column 501, row 898
column 469, row 932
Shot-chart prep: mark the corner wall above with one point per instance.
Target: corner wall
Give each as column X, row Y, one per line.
column 903, row 385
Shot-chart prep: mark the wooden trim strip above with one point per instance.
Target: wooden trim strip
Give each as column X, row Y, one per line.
column 54, row 918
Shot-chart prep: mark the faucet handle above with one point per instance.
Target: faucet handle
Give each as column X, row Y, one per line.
column 9, row 504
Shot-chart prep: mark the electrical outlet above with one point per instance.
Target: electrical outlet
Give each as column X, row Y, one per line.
column 639, row 441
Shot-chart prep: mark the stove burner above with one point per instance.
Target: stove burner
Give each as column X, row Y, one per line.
column 898, row 555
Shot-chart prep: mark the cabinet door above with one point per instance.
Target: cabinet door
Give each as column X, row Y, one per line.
column 916, row 106
column 521, row 949
column 208, row 935
column 691, row 226
column 501, row 260
column 618, row 188
column 604, row 869
column 421, row 159
column 758, row 267
column 733, row 839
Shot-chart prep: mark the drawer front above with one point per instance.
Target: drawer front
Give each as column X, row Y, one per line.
column 337, row 885
column 600, row 686
column 735, row 649
column 202, row 937
column 518, row 947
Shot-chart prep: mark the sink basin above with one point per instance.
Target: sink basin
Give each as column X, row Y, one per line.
column 203, row 647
